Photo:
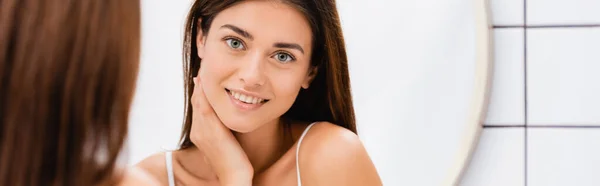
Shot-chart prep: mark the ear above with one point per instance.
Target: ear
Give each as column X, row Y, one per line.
column 200, row 39
column 312, row 72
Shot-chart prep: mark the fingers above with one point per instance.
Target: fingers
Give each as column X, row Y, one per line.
column 205, row 122
column 221, row 150
column 199, row 102
column 202, row 117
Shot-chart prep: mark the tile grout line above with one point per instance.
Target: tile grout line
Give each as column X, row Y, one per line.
column 565, row 126
column 503, row 126
column 525, row 146
column 547, row 26
column 545, row 126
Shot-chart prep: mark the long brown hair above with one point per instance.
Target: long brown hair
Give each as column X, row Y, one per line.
column 67, row 77
column 327, row 99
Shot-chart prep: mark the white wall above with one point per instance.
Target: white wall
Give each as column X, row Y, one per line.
column 543, row 127
column 157, row 111
column 412, row 67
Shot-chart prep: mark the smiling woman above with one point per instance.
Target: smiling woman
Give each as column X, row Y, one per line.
column 267, row 99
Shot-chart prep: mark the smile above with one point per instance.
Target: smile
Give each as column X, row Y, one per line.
column 245, row 101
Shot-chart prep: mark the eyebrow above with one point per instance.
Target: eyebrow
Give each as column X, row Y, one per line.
column 245, row 34
column 239, row 31
column 289, row 45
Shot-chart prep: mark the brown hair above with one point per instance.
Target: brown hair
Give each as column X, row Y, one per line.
column 67, row 77
column 327, row 99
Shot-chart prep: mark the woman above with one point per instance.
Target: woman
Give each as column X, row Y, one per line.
column 268, row 99
column 67, row 76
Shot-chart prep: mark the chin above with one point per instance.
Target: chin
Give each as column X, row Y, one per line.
column 240, row 125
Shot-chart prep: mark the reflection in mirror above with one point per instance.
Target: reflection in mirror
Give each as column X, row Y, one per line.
column 266, row 99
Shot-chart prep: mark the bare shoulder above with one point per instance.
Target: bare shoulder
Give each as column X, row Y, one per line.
column 137, row 176
column 155, row 166
column 333, row 155
column 325, row 137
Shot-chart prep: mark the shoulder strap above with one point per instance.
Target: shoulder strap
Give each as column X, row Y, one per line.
column 169, row 161
column 298, row 152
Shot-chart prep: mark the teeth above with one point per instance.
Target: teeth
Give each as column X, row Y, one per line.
column 246, row 98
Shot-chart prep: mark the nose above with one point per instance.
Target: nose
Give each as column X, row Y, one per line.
column 251, row 73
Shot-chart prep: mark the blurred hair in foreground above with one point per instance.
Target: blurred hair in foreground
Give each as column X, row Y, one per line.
column 67, row 78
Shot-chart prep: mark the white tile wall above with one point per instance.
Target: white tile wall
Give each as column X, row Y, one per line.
column 563, row 12
column 546, row 133
column 507, row 12
column 499, row 160
column 563, row 76
column 563, row 157
column 507, row 103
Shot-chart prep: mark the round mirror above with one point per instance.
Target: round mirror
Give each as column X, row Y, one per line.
column 420, row 72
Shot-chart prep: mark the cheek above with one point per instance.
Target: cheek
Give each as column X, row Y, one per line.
column 287, row 89
column 214, row 66
column 214, row 71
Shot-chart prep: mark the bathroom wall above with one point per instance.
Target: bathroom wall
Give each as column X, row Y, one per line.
column 543, row 124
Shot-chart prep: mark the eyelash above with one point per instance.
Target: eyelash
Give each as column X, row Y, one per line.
column 234, row 38
column 292, row 58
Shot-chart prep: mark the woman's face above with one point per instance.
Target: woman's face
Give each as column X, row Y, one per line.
column 255, row 60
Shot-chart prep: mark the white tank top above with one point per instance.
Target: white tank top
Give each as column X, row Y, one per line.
column 169, row 160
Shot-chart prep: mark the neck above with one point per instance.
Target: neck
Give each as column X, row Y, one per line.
column 263, row 146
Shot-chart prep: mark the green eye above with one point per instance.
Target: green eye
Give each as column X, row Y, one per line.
column 234, row 43
column 283, row 57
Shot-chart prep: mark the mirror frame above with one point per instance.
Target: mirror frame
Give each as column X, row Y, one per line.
column 481, row 91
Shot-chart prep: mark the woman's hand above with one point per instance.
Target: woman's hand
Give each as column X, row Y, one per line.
column 222, row 151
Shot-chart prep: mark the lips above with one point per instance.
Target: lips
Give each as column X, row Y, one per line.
column 248, row 99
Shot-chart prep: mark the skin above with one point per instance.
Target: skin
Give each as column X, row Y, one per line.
column 261, row 48
column 137, row 176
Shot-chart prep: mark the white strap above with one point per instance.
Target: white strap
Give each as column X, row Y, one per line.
column 298, row 150
column 169, row 161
